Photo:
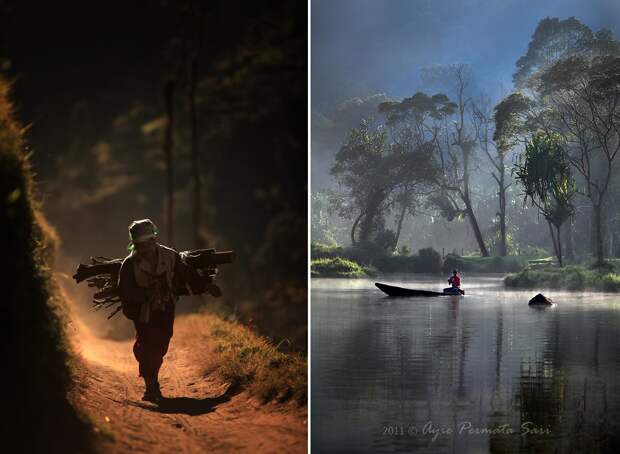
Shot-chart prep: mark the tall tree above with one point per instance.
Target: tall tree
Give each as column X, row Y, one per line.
column 484, row 125
column 377, row 176
column 582, row 102
column 195, row 44
column 412, row 128
column 556, row 39
column 460, row 140
column 361, row 167
column 559, row 70
column 196, row 37
column 507, row 124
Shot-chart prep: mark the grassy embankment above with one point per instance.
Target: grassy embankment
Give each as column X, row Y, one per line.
column 330, row 261
column 338, row 267
column 525, row 271
column 570, row 277
column 245, row 359
column 36, row 354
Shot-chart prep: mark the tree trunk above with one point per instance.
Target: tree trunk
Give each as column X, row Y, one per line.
column 353, row 241
column 570, row 249
column 168, row 146
column 503, row 248
column 399, row 227
column 477, row 233
column 474, row 225
column 466, row 148
column 557, row 246
column 559, row 237
column 372, row 209
column 598, row 234
column 196, row 174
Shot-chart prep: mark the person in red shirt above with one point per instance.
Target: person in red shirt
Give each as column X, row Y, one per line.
column 455, row 280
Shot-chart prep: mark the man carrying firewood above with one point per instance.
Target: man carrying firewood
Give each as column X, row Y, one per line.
column 147, row 281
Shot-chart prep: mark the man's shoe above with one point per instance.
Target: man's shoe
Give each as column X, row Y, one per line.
column 152, row 392
column 151, row 396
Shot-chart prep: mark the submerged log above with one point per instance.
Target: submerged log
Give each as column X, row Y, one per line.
column 541, row 300
column 103, row 272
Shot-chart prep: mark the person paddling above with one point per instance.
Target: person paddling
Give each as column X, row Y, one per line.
column 455, row 280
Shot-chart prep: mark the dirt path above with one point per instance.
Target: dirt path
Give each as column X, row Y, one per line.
column 198, row 415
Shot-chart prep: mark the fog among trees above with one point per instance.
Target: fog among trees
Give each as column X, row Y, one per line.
column 474, row 166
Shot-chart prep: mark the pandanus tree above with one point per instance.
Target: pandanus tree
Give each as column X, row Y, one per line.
column 545, row 174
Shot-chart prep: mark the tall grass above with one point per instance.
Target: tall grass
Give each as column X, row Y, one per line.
column 245, row 359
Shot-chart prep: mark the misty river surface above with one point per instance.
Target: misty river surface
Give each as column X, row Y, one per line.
column 481, row 373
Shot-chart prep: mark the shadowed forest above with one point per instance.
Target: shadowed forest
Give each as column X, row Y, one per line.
column 180, row 113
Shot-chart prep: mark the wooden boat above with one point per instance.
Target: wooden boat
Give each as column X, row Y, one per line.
column 392, row 290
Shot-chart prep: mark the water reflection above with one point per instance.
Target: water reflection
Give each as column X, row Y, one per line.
column 481, row 374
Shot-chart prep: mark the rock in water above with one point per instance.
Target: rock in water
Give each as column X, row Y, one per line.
column 540, row 300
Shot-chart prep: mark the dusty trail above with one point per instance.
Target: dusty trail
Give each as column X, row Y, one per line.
column 198, row 415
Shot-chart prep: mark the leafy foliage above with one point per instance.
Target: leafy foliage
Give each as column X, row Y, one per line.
column 417, row 107
column 556, row 39
column 508, row 119
column 374, row 174
column 322, row 251
column 545, row 174
column 571, row 277
column 336, row 267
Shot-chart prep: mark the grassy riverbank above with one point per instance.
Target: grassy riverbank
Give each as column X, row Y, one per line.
column 570, row 277
column 355, row 262
column 338, row 267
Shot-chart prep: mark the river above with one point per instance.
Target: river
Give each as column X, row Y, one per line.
column 474, row 374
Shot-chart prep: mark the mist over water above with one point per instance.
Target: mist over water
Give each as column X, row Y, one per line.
column 433, row 374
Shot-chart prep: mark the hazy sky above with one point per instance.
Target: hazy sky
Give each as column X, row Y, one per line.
column 368, row 46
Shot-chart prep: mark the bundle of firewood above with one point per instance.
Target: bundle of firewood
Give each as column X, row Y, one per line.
column 103, row 272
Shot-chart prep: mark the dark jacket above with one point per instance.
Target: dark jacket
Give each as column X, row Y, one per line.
column 132, row 295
